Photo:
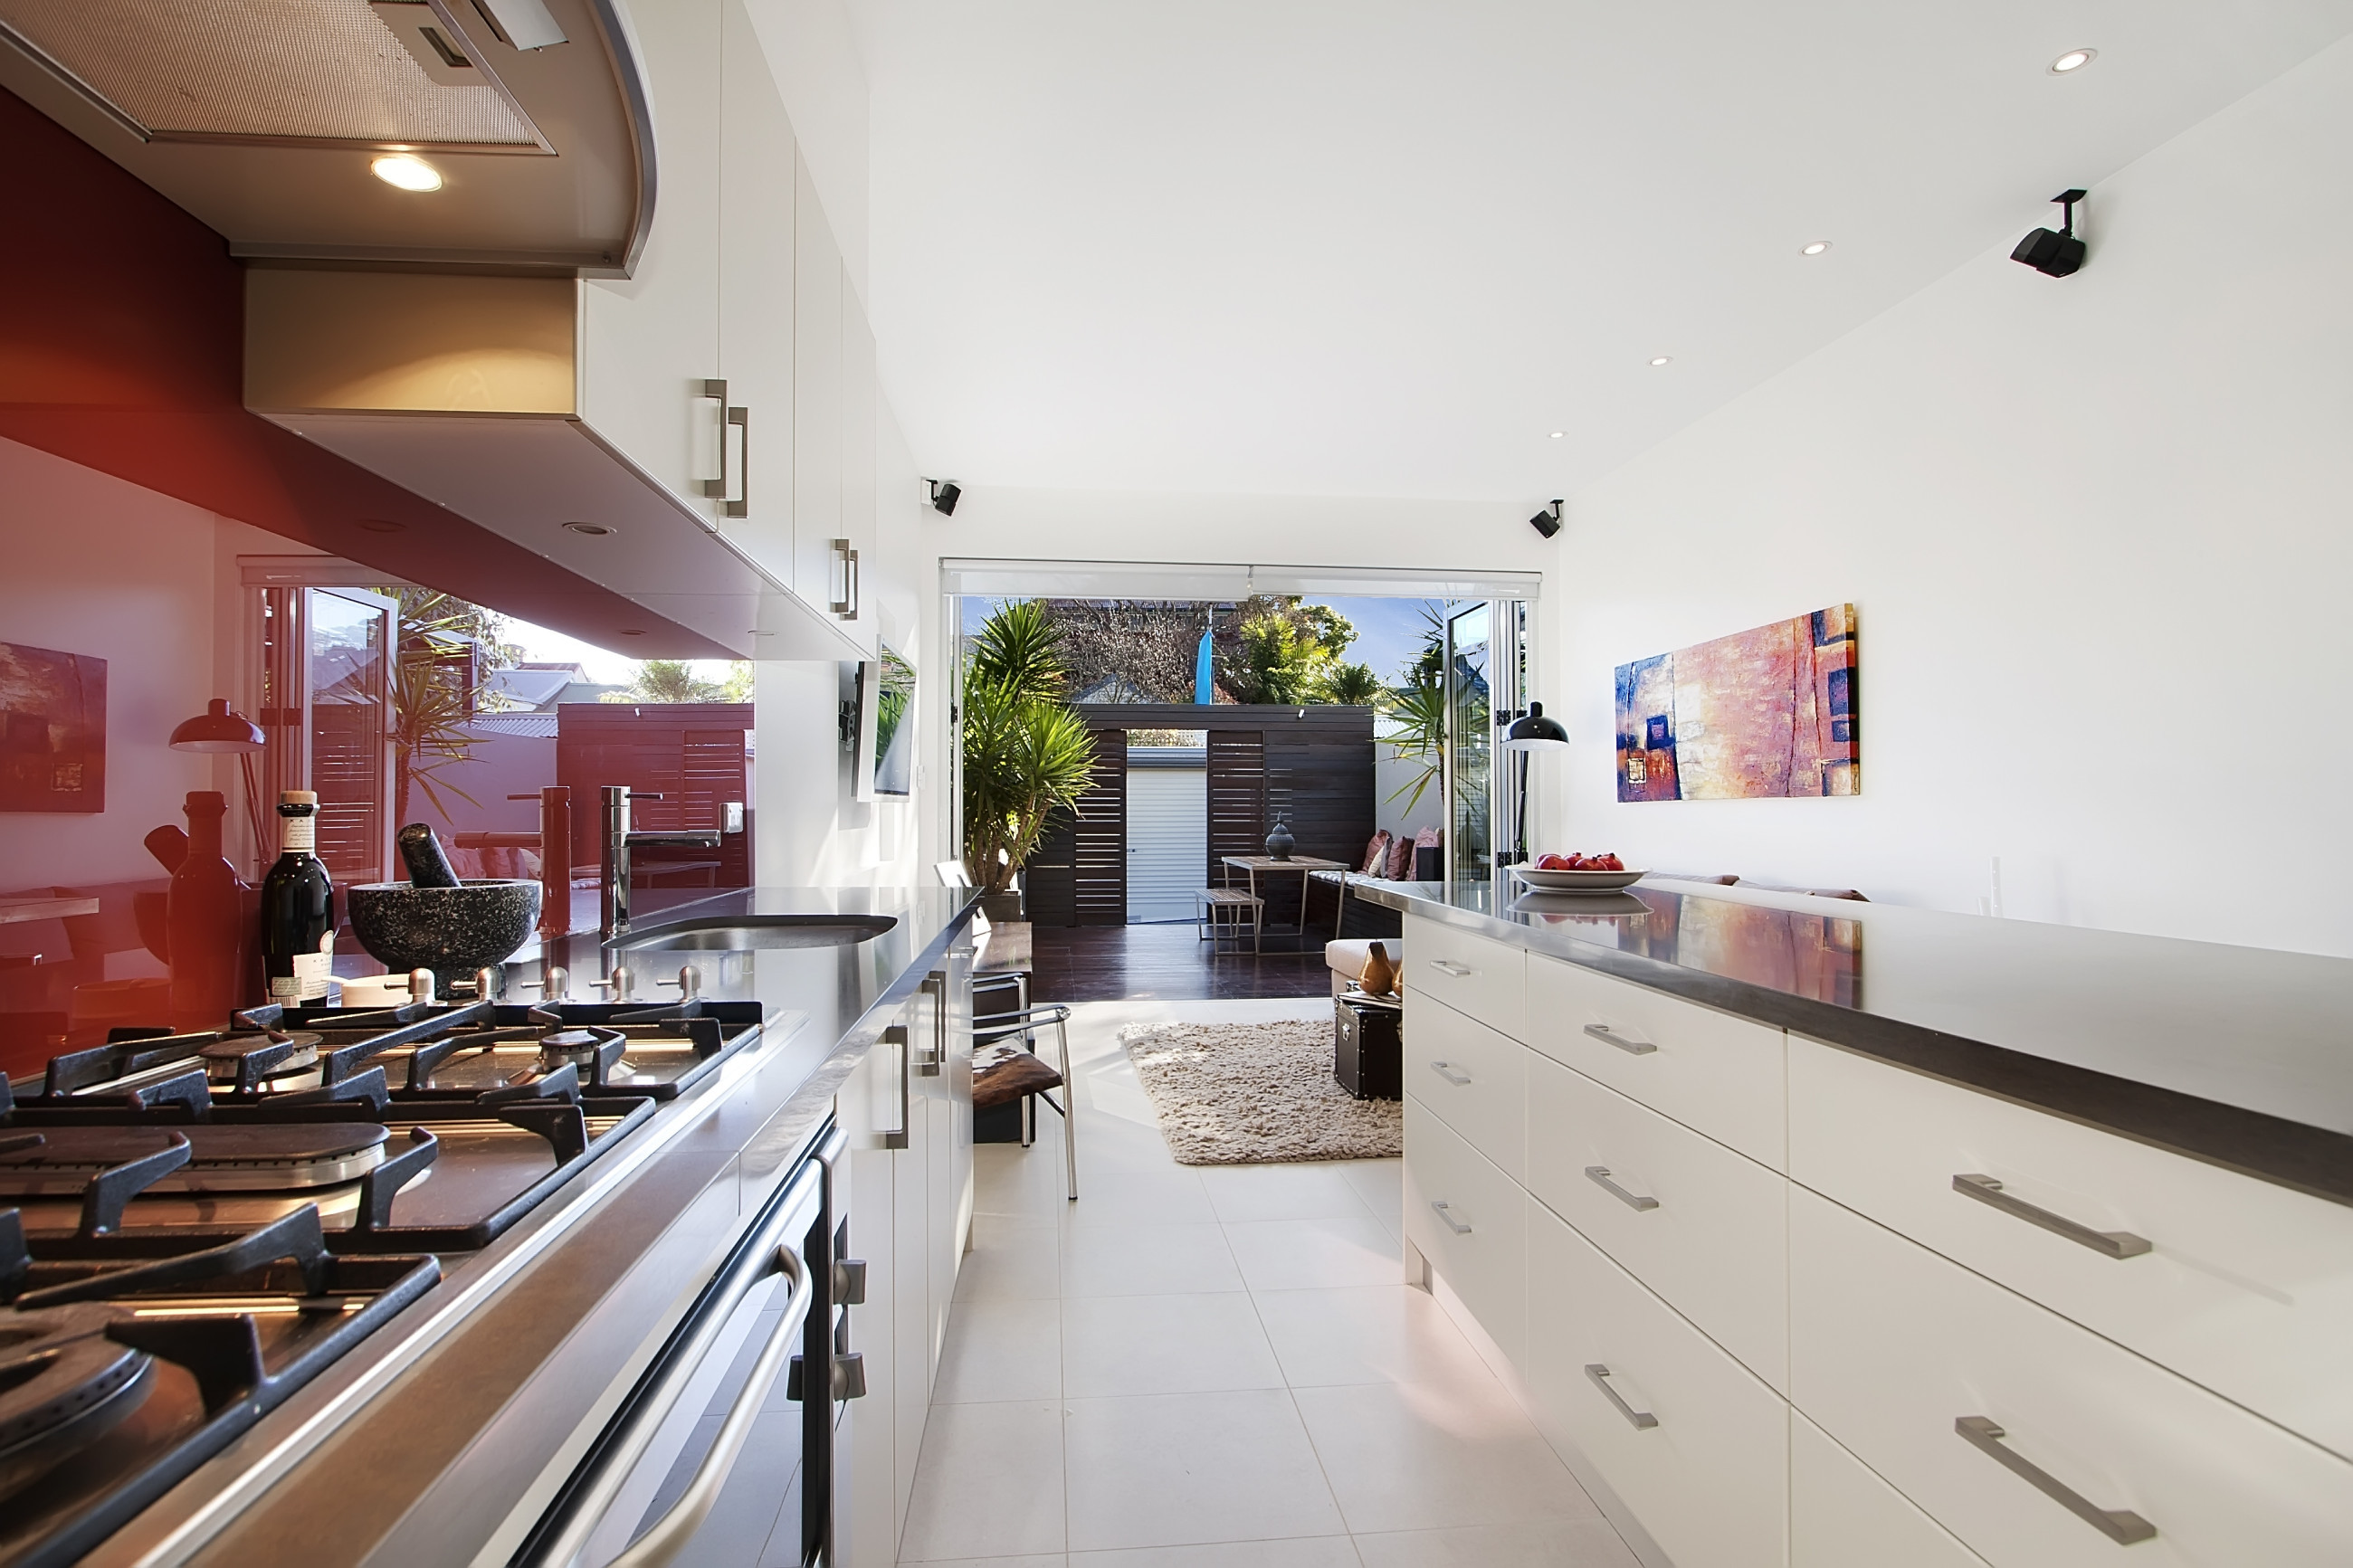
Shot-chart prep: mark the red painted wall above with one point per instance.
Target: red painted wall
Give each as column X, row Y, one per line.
column 121, row 348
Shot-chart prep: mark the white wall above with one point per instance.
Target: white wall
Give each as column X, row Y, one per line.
column 2096, row 530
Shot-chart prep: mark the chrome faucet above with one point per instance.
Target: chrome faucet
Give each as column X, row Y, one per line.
column 619, row 839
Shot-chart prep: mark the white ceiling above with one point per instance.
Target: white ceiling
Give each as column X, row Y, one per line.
column 1384, row 247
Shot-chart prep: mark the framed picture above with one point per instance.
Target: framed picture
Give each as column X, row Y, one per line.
column 886, row 741
column 52, row 730
column 1772, row 711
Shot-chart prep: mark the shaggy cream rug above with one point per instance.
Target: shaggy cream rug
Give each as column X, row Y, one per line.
column 1247, row 1094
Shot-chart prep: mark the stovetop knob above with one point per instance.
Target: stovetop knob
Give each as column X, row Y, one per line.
column 616, row 985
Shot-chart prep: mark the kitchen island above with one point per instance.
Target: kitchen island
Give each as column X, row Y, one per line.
column 445, row 1435
column 1823, row 1232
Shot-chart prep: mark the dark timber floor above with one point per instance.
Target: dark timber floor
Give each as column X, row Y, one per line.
column 1102, row 963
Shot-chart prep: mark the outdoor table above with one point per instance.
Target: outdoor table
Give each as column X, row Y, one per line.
column 1253, row 865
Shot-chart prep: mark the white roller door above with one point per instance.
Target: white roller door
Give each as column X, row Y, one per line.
column 1167, row 841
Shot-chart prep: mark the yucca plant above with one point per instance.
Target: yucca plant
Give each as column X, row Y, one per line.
column 1350, row 686
column 1026, row 751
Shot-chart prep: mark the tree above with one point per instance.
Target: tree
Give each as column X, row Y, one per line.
column 1279, row 651
column 1351, row 686
column 443, row 646
column 1026, row 751
column 674, row 680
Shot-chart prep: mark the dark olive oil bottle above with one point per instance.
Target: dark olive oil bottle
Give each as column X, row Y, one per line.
column 298, row 907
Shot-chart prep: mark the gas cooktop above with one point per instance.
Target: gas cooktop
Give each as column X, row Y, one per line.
column 192, row 1224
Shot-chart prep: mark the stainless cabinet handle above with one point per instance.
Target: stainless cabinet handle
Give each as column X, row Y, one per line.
column 2120, row 1525
column 1440, row 1207
column 896, row 1034
column 1600, row 1176
column 717, row 389
column 1603, row 1033
column 935, row 1055
column 1448, row 966
column 1452, row 1074
column 845, row 607
column 742, row 419
column 856, row 586
column 2107, row 1243
column 1641, row 1420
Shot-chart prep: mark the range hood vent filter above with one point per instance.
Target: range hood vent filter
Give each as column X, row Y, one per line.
column 301, row 73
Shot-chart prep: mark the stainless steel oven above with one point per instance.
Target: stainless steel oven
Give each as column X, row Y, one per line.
column 723, row 1453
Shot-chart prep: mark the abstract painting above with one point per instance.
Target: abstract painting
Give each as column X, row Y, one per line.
column 52, row 730
column 1768, row 713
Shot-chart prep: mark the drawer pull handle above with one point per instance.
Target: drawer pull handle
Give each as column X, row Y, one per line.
column 1448, row 966
column 1450, row 1073
column 2120, row 1525
column 2107, row 1243
column 1600, row 1176
column 1439, row 1206
column 1603, row 1033
column 1641, row 1420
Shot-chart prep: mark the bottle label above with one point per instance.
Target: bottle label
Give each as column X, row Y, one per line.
column 307, row 987
column 298, row 834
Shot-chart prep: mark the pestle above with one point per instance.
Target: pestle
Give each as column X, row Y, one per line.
column 420, row 848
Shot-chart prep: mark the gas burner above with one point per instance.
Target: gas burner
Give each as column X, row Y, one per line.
column 121, row 1375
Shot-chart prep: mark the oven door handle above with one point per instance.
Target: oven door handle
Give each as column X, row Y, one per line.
column 775, row 1250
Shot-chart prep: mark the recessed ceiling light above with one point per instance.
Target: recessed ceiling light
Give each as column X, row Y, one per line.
column 2074, row 60
column 632, row 631
column 1814, row 247
column 1663, row 358
column 1559, row 433
column 593, row 529
column 407, row 171
column 381, row 525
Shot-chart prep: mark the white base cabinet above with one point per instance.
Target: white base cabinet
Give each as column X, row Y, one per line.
column 2128, row 1355
column 1689, row 1440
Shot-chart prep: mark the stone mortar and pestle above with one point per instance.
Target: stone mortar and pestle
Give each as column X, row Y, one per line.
column 436, row 921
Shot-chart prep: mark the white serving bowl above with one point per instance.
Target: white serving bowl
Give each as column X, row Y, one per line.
column 1577, row 881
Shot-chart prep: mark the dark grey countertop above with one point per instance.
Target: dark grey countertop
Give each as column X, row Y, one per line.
column 414, row 1447
column 2239, row 1055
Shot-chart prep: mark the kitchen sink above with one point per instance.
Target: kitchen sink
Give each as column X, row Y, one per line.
column 747, row 934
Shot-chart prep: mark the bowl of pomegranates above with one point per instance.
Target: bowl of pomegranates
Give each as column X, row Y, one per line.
column 1576, row 874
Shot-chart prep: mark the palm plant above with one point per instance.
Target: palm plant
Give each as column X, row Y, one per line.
column 1026, row 751
column 1416, row 712
column 433, row 695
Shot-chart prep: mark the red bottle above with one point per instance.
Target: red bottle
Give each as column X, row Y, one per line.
column 211, row 933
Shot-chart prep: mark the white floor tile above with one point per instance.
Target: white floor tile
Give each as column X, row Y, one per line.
column 1314, row 1254
column 1310, row 1551
column 1163, row 1345
column 1010, row 1261
column 1148, row 1260
column 1174, row 1469
column 1168, row 1194
column 998, row 1349
column 1426, row 1456
column 1371, row 1333
column 1381, row 1185
column 1555, row 1543
column 1281, row 1192
column 1029, row 1559
column 989, row 1483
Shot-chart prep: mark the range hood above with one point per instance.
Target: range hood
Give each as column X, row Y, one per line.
column 263, row 118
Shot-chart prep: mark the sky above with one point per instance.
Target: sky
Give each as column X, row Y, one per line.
column 1388, row 631
column 605, row 667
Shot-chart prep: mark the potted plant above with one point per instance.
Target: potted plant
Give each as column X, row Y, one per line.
column 1026, row 751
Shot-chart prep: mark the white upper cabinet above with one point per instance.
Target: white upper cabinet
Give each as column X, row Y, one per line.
column 859, row 413
column 649, row 343
column 819, row 569
column 757, row 266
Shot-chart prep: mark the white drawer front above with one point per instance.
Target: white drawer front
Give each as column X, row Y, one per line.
column 1707, row 1069
column 1692, row 1443
column 1705, row 1227
column 2246, row 1287
column 1842, row 1516
column 1891, row 1346
column 1471, row 974
column 1478, row 1239
column 1475, row 1079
